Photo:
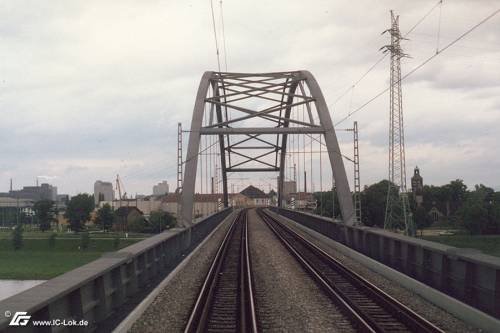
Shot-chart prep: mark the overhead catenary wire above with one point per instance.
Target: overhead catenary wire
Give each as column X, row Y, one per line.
column 439, row 26
column 223, row 35
column 215, row 35
column 426, row 61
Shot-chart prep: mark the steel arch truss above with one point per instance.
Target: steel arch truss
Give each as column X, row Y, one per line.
column 252, row 116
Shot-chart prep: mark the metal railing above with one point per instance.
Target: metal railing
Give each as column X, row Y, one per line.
column 465, row 274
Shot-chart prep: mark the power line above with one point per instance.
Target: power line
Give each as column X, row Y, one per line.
column 385, row 55
column 421, row 65
column 424, row 17
column 439, row 27
column 215, row 34
column 223, row 35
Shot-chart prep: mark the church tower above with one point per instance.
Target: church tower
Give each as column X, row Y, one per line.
column 417, row 186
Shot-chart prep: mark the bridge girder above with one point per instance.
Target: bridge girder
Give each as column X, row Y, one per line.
column 268, row 98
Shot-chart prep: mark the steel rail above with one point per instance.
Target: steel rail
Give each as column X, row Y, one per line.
column 224, row 273
column 349, row 284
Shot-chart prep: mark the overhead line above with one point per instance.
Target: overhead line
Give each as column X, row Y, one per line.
column 422, row 64
column 423, row 18
column 215, row 34
column 223, row 35
column 385, row 55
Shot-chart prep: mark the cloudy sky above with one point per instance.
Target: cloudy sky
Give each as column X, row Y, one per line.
column 89, row 89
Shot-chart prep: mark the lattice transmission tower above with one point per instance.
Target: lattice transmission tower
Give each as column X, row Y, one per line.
column 397, row 213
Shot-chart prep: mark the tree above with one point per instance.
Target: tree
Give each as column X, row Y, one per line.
column 478, row 213
column 78, row 211
column 325, row 204
column 105, row 217
column 137, row 224
column 447, row 198
column 422, row 219
column 495, row 213
column 373, row 202
column 456, row 192
column 46, row 213
column 17, row 237
column 160, row 220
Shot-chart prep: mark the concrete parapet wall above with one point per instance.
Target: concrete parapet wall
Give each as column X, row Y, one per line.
column 465, row 274
column 102, row 288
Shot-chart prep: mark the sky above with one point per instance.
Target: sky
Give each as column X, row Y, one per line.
column 91, row 89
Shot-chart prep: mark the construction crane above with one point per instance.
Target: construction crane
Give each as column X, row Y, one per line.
column 119, row 187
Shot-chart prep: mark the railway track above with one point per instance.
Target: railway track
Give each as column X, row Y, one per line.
column 225, row 302
column 368, row 308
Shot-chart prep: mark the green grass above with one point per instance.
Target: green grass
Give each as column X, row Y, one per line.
column 36, row 261
column 6, row 234
column 487, row 244
column 31, row 265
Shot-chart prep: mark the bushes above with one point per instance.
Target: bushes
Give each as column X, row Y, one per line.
column 160, row 220
column 157, row 222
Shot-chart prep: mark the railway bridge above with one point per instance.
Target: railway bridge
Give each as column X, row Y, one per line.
column 273, row 267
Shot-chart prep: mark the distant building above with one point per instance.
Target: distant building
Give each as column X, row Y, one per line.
column 160, row 188
column 257, row 197
column 103, row 191
column 63, row 199
column 417, row 186
column 203, row 204
column 10, row 209
column 15, row 203
column 36, row 193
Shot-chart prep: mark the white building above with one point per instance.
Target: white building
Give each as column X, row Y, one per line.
column 160, row 188
column 103, row 191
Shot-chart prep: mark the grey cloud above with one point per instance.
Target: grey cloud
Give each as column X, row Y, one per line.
column 90, row 89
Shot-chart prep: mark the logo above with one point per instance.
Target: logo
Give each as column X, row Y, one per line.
column 20, row 319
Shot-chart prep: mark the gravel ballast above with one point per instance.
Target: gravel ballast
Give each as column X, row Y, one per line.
column 170, row 310
column 287, row 299
column 432, row 313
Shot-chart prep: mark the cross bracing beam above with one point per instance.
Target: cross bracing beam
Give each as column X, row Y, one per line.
column 250, row 137
column 253, row 170
column 260, row 130
column 263, row 113
column 245, row 112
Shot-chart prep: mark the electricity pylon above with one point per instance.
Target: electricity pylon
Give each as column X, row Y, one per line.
column 397, row 212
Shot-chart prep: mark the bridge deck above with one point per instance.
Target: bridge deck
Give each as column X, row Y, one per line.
column 287, row 299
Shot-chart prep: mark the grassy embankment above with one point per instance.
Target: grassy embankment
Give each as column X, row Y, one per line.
column 489, row 244
column 38, row 261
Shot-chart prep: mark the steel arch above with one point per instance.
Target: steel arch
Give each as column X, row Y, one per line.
column 228, row 90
